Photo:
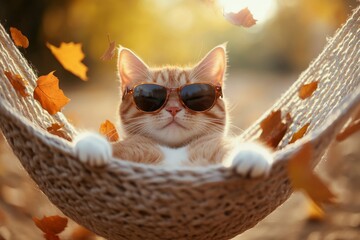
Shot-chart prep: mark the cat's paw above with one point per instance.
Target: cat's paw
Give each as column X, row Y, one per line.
column 250, row 159
column 93, row 149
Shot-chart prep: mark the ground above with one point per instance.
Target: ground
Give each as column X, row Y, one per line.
column 249, row 95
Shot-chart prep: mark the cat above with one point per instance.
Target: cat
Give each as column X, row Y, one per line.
column 174, row 134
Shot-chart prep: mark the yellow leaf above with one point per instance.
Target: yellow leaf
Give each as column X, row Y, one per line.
column 109, row 131
column 19, row 39
column 48, row 93
column 18, row 83
column 299, row 134
column 70, row 56
column 303, row 178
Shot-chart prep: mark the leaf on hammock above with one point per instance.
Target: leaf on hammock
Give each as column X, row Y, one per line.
column 303, row 177
column 109, row 131
column 18, row 83
column 307, row 90
column 110, row 51
column 51, row 226
column 274, row 129
column 81, row 233
column 243, row 18
column 70, row 56
column 55, row 129
column 19, row 39
column 352, row 128
column 300, row 133
column 48, row 93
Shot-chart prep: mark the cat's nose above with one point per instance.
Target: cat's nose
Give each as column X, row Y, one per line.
column 173, row 110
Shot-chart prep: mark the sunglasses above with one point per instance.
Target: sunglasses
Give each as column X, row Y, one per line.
column 196, row 97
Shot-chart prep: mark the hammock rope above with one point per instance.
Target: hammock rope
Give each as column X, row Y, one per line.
column 127, row 200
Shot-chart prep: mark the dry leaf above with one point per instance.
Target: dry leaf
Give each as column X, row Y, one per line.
column 48, row 93
column 307, row 90
column 299, row 134
column 81, row 233
column 273, row 129
column 352, row 128
column 18, row 83
column 242, row 18
column 110, row 51
column 315, row 213
column 19, row 39
column 55, row 129
column 303, row 178
column 109, row 131
column 70, row 56
column 51, row 226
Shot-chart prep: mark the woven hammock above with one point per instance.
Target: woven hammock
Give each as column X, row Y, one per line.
column 126, row 200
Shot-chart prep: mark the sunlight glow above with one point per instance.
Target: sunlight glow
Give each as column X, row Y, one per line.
column 262, row 10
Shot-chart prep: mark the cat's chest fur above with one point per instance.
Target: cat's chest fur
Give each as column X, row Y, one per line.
column 174, row 157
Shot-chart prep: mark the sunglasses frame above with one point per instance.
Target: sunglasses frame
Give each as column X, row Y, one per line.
column 217, row 88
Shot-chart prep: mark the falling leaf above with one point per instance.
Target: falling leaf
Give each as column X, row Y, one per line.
column 108, row 129
column 299, row 134
column 303, row 178
column 48, row 93
column 352, row 128
column 19, row 39
column 55, row 129
column 70, row 56
column 81, row 233
column 18, row 83
column 307, row 90
column 51, row 226
column 110, row 52
column 242, row 18
column 273, row 129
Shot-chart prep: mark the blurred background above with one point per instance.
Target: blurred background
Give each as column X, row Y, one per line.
column 264, row 61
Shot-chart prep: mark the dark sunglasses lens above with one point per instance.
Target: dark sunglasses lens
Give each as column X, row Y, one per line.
column 198, row 97
column 149, row 97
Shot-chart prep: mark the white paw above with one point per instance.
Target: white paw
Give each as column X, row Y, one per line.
column 250, row 159
column 93, row 149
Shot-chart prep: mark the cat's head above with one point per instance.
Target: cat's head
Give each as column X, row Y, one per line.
column 174, row 125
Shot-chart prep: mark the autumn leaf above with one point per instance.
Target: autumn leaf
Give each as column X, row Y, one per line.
column 307, row 90
column 273, row 128
column 70, row 56
column 243, row 18
column 48, row 93
column 300, row 133
column 55, row 129
column 18, row 83
column 19, row 39
column 349, row 130
column 81, row 233
column 315, row 213
column 51, row 226
column 109, row 131
column 110, row 51
column 303, row 178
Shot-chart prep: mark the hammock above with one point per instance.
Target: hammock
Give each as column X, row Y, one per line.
column 127, row 200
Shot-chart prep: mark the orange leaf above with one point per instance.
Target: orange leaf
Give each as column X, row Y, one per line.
column 307, row 90
column 109, row 131
column 273, row 129
column 242, row 18
column 70, row 56
column 352, row 128
column 81, row 233
column 51, row 226
column 55, row 129
column 18, row 83
column 315, row 213
column 299, row 134
column 48, row 93
column 19, row 39
column 303, row 178
column 110, row 51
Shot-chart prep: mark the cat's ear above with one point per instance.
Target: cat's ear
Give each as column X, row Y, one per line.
column 131, row 68
column 212, row 67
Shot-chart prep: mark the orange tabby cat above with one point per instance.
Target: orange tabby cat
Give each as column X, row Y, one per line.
column 174, row 116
